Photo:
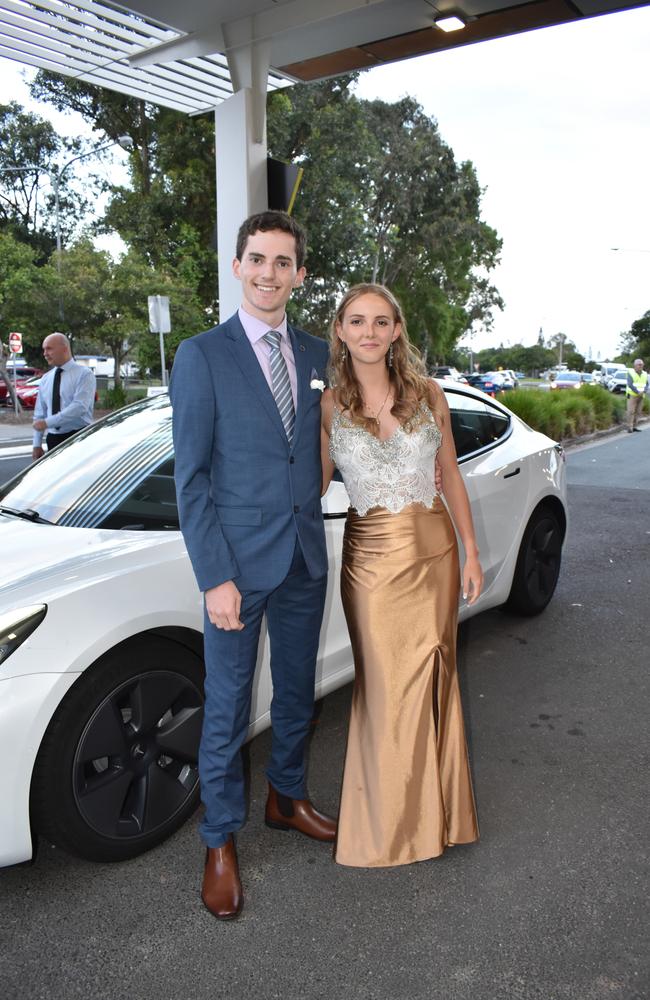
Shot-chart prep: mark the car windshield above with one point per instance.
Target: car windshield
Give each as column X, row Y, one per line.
column 86, row 479
column 569, row 376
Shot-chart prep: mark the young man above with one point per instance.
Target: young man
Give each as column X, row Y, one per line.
column 66, row 396
column 248, row 479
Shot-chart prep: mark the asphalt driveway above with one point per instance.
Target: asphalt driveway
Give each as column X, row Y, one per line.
column 550, row 905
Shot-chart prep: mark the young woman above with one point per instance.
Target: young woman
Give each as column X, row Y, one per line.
column 407, row 790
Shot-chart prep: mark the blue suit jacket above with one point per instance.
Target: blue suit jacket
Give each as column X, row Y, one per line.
column 243, row 493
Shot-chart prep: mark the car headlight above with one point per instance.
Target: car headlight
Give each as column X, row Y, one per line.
column 18, row 625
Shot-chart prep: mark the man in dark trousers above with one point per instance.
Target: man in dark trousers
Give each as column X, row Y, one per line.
column 66, row 396
column 246, row 417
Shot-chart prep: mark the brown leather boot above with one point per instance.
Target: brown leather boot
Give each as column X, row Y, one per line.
column 222, row 893
column 283, row 813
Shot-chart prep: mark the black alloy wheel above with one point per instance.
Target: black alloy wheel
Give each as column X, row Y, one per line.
column 117, row 771
column 538, row 564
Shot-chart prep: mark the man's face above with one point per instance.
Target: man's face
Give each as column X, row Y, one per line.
column 268, row 273
column 56, row 351
column 638, row 366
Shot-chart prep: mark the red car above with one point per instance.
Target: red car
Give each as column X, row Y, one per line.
column 27, row 392
column 24, row 373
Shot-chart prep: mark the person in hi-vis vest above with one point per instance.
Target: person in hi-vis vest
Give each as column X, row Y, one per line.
column 637, row 387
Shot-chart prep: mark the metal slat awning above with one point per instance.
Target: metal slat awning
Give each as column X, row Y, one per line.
column 184, row 55
column 93, row 42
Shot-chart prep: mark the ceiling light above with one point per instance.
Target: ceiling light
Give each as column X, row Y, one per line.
column 449, row 23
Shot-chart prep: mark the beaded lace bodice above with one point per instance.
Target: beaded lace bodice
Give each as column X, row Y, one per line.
column 392, row 473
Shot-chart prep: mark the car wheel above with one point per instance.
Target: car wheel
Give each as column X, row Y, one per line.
column 538, row 564
column 117, row 770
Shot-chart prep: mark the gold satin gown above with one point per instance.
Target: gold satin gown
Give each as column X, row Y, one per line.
column 407, row 789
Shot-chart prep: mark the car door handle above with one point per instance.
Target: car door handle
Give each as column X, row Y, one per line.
column 509, row 475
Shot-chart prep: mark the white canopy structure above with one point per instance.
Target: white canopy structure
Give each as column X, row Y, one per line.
column 224, row 55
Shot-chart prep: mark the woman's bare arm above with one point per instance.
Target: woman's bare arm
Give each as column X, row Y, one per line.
column 326, row 407
column 457, row 499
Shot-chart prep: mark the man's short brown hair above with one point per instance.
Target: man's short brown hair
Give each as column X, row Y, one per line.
column 264, row 222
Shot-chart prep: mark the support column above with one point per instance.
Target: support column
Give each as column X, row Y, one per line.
column 240, row 127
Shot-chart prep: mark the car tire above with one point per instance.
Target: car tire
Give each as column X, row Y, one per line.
column 538, row 564
column 117, row 770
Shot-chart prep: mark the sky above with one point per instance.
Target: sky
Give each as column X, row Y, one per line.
column 557, row 125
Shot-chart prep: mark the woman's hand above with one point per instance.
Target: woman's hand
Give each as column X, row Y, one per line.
column 472, row 579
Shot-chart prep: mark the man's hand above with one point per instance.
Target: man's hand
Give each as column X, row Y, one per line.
column 438, row 476
column 39, row 425
column 223, row 604
column 37, row 452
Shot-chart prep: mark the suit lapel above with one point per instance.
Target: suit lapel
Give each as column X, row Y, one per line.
column 245, row 358
column 303, row 373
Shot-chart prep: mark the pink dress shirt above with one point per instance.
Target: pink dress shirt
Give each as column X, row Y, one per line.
column 255, row 329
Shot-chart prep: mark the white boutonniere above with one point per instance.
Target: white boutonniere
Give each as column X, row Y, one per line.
column 316, row 382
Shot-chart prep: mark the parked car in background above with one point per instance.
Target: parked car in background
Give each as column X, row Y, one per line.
column 618, row 381
column 512, row 375
column 448, row 372
column 587, row 378
column 501, row 379
column 567, row 380
column 23, row 373
column 608, row 368
column 27, row 392
column 101, row 681
column 482, row 382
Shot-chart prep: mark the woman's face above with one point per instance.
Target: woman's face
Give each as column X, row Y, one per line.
column 368, row 328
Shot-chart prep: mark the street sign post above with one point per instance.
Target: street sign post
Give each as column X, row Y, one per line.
column 15, row 346
column 160, row 322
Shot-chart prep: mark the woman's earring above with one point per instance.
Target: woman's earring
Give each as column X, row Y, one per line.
column 390, row 356
column 344, row 352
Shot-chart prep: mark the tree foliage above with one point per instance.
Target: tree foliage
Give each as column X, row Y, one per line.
column 30, row 151
column 168, row 212
column 635, row 343
column 28, row 294
column 383, row 199
column 106, row 305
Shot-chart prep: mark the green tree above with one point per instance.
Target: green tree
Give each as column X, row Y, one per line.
column 168, row 213
column 106, row 305
column 28, row 295
column 26, row 207
column 383, row 199
column 635, row 342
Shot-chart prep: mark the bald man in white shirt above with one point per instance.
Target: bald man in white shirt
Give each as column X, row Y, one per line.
column 66, row 396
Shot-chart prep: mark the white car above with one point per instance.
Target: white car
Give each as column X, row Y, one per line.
column 101, row 620
column 602, row 372
column 617, row 382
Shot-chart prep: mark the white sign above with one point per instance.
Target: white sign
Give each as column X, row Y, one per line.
column 159, row 321
column 15, row 342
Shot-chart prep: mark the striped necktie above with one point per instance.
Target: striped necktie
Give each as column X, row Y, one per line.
column 281, row 383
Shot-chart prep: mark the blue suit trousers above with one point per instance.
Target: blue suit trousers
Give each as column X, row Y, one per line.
column 294, row 612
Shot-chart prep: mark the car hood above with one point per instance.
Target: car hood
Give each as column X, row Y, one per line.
column 40, row 559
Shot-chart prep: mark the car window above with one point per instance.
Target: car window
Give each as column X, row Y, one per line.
column 102, row 470
column 475, row 424
column 150, row 506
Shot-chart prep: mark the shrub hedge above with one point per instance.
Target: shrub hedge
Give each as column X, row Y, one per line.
column 568, row 413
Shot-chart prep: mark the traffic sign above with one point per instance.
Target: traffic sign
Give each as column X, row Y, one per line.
column 15, row 342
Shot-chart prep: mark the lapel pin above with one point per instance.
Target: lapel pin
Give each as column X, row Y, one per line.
column 302, row 347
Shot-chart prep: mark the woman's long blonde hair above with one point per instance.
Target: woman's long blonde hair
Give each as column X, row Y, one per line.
column 407, row 373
